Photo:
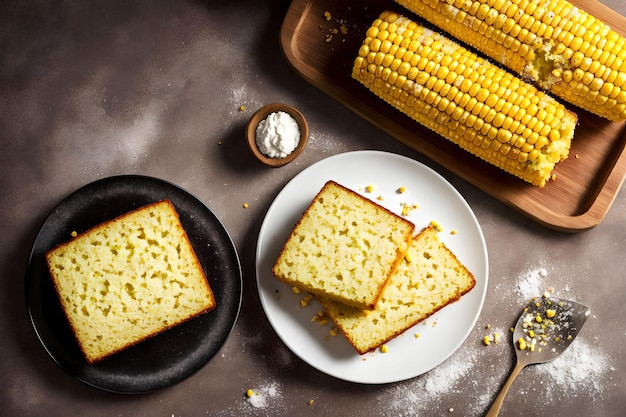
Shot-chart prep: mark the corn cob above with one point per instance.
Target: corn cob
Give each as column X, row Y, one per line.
column 477, row 105
column 551, row 43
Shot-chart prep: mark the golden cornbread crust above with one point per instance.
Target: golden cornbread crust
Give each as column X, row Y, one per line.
column 128, row 279
column 431, row 280
column 344, row 246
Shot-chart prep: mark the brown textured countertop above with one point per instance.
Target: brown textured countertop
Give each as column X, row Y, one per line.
column 92, row 90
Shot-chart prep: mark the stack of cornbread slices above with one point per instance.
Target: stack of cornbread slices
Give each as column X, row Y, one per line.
column 374, row 278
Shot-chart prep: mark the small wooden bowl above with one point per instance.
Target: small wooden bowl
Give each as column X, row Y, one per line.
column 260, row 115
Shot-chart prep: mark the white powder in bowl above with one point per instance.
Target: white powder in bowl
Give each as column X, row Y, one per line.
column 277, row 135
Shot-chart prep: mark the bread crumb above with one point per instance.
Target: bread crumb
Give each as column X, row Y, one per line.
column 306, row 300
column 319, row 318
column 408, row 208
column 436, row 225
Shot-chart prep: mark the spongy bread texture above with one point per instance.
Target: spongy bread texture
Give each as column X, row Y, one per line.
column 429, row 278
column 344, row 246
column 128, row 279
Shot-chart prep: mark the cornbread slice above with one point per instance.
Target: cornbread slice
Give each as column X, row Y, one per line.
column 429, row 278
column 344, row 246
column 128, row 279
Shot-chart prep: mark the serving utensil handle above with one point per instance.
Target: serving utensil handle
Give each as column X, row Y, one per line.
column 497, row 403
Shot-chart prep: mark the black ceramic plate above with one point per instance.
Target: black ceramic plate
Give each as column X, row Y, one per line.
column 171, row 356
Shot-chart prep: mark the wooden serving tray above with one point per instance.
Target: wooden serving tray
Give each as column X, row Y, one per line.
column 587, row 182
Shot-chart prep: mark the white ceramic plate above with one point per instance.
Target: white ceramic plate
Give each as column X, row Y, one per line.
column 441, row 334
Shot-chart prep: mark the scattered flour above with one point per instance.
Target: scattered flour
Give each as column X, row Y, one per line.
column 265, row 396
column 420, row 394
column 325, row 144
column 531, row 283
column 580, row 369
column 263, row 399
column 283, row 357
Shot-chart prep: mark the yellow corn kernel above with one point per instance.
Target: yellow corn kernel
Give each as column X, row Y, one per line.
column 369, row 188
column 486, row 340
column 384, row 349
column 73, row 234
column 249, row 393
column 401, row 190
column 550, row 313
column 538, row 318
column 296, row 290
column 521, row 343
